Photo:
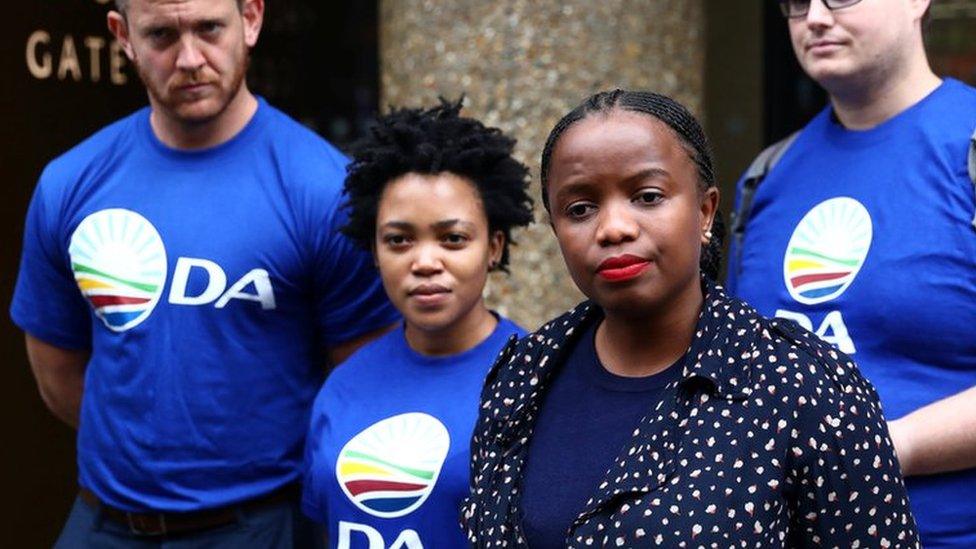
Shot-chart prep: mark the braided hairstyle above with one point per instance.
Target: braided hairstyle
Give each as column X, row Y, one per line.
column 433, row 141
column 676, row 117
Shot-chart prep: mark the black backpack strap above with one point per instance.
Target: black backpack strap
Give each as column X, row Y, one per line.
column 972, row 167
column 757, row 171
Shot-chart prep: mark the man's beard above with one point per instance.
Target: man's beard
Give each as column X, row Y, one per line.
column 224, row 96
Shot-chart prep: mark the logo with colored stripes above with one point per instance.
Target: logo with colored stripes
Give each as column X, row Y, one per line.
column 119, row 263
column 390, row 468
column 827, row 249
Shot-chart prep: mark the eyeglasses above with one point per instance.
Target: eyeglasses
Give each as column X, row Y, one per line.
column 799, row 8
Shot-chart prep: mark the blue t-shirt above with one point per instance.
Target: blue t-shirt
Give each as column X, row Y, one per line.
column 206, row 285
column 388, row 451
column 866, row 238
column 588, row 415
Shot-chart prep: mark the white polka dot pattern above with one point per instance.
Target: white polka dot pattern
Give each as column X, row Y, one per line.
column 771, row 438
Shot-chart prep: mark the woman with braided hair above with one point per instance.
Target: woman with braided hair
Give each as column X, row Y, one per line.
column 662, row 412
column 435, row 196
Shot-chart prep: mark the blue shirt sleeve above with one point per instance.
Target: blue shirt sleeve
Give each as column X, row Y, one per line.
column 47, row 303
column 350, row 299
column 347, row 296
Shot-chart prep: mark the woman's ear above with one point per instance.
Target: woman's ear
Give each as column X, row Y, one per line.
column 708, row 210
column 496, row 244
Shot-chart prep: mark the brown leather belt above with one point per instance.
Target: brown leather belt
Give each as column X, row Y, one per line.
column 161, row 524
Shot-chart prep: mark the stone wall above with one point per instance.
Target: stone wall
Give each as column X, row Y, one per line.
column 521, row 65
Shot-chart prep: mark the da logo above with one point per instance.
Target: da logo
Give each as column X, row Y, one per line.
column 119, row 263
column 390, row 468
column 827, row 249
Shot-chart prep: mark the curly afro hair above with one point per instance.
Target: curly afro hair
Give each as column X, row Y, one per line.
column 432, row 141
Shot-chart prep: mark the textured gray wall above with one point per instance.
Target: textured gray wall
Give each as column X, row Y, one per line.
column 522, row 64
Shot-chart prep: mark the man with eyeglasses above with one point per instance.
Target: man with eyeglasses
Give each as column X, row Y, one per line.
column 863, row 231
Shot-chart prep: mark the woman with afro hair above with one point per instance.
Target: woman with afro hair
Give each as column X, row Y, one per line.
column 435, row 196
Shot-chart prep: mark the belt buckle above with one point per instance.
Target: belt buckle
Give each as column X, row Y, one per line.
column 141, row 525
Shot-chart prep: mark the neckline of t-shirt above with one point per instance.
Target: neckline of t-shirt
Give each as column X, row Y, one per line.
column 502, row 327
column 144, row 128
column 596, row 373
column 839, row 136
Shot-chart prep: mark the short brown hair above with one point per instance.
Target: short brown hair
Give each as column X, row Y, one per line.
column 122, row 5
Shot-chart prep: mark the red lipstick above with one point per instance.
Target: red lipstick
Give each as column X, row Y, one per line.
column 622, row 267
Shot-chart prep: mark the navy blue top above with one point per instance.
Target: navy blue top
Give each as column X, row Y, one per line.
column 592, row 413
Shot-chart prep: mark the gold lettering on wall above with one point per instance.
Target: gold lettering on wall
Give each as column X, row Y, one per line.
column 40, row 66
column 47, row 56
column 117, row 61
column 95, row 45
column 69, row 60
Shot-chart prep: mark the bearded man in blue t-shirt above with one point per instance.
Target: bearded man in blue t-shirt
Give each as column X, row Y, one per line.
column 863, row 232
column 182, row 287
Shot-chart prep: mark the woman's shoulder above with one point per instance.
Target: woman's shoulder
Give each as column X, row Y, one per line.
column 525, row 361
column 812, row 393
column 547, row 341
column 789, row 358
column 777, row 356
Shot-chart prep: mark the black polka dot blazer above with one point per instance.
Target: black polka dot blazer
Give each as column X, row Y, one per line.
column 770, row 438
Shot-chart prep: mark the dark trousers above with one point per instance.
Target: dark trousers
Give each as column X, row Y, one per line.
column 278, row 526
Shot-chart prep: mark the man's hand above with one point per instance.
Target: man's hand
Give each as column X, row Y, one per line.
column 60, row 376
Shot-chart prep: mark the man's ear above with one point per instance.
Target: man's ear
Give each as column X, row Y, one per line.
column 119, row 28
column 919, row 7
column 252, row 11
